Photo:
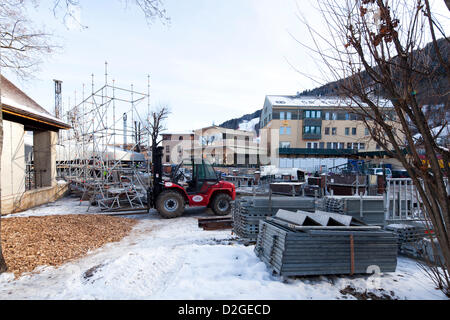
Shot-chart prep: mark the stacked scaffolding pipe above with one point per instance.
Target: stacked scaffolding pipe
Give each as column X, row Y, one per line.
column 369, row 209
column 306, row 244
column 248, row 211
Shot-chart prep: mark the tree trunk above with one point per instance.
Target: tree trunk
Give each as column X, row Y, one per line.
column 3, row 266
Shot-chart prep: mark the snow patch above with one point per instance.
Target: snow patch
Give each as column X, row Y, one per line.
column 249, row 125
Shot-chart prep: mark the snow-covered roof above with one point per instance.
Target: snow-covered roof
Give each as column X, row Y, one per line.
column 15, row 101
column 314, row 101
column 443, row 132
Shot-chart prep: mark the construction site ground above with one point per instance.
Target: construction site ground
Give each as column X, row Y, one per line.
column 146, row 257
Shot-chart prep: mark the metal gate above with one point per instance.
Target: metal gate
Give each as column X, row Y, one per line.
column 402, row 201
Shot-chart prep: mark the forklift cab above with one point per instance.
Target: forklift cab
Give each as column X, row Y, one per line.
column 202, row 178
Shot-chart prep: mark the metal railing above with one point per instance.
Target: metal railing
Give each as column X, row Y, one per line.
column 402, row 201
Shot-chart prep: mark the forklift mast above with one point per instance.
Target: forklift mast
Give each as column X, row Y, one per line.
column 157, row 187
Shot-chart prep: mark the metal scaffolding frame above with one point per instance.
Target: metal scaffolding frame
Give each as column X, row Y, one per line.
column 91, row 155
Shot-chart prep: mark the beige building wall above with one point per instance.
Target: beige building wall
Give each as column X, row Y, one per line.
column 14, row 197
column 177, row 146
column 219, row 145
column 44, row 149
column 13, row 159
column 296, row 140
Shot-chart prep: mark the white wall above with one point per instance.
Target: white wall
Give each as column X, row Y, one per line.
column 13, row 159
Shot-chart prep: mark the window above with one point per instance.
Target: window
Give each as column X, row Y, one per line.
column 328, row 145
column 312, row 129
column 366, row 132
column 282, row 115
column 347, row 131
column 354, row 131
column 362, row 146
column 281, row 130
column 288, row 115
column 167, row 158
column 341, row 145
column 314, row 114
column 315, row 145
column 327, row 131
column 378, row 147
column 335, row 115
column 288, row 130
column 327, row 116
column 349, row 145
column 308, row 145
column 334, row 131
column 167, row 149
column 322, row 145
column 335, row 145
column 347, row 116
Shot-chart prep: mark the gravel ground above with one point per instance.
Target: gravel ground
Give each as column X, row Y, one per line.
column 54, row 240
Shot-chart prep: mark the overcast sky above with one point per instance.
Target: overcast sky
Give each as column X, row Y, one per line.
column 215, row 61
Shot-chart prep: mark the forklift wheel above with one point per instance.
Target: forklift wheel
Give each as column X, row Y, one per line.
column 170, row 204
column 221, row 205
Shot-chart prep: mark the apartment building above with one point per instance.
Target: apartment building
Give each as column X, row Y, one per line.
column 317, row 126
column 177, row 146
column 221, row 146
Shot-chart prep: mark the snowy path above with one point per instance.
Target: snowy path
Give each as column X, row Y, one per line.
column 174, row 259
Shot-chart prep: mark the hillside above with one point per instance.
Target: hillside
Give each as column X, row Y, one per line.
column 436, row 93
column 430, row 91
column 237, row 122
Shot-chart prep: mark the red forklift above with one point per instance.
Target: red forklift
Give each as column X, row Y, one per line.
column 202, row 189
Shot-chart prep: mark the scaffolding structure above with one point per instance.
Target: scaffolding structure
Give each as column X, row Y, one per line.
column 104, row 161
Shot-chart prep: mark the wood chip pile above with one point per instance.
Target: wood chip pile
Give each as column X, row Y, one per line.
column 54, row 240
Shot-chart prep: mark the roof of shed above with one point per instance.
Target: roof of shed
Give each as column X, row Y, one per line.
column 18, row 103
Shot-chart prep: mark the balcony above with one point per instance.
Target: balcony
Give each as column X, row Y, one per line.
column 312, row 136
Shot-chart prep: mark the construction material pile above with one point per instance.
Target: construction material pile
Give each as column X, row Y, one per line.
column 414, row 240
column 54, row 240
column 248, row 211
column 406, row 233
column 369, row 209
column 321, row 243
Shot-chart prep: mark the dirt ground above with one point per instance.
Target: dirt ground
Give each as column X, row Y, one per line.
column 54, row 240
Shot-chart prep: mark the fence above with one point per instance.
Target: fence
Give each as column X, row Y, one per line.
column 402, row 201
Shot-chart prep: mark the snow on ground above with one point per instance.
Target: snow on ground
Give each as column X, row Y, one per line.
column 174, row 259
column 63, row 206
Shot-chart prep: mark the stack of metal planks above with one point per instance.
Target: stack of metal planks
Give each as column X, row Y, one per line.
column 407, row 233
column 248, row 211
column 306, row 244
column 370, row 209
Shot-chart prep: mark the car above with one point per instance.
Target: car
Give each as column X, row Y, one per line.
column 400, row 174
column 379, row 172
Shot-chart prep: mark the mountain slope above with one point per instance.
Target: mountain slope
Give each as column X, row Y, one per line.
column 438, row 96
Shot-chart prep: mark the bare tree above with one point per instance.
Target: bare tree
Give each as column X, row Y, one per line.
column 377, row 48
column 156, row 125
column 22, row 46
column 152, row 9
